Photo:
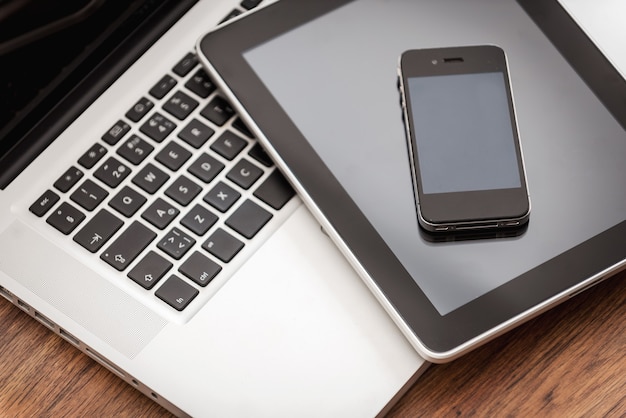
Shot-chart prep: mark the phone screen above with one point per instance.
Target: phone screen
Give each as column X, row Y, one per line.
column 463, row 132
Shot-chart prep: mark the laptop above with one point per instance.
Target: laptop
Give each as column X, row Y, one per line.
column 142, row 223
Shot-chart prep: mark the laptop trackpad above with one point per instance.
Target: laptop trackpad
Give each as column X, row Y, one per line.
column 77, row 291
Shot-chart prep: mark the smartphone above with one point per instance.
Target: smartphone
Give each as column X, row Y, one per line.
column 464, row 146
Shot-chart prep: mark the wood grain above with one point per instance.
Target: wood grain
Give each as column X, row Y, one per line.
column 570, row 361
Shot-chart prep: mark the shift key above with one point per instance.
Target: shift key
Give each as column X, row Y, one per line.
column 128, row 246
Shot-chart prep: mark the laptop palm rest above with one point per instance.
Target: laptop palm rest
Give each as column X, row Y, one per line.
column 77, row 291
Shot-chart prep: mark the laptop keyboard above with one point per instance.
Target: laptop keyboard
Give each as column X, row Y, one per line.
column 200, row 183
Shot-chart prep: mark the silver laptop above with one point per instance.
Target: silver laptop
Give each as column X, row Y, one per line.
column 155, row 235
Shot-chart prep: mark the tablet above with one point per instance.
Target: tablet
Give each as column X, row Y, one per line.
column 316, row 81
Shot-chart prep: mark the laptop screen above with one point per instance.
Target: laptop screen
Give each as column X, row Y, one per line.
column 49, row 49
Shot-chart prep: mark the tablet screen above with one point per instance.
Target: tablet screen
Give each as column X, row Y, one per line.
column 335, row 77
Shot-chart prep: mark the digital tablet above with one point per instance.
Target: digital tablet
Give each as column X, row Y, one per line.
column 317, row 83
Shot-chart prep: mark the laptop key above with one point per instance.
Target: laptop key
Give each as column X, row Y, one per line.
column 116, row 133
column 232, row 14
column 222, row 197
column 200, row 269
column 92, row 156
column 135, row 150
column 157, row 127
column 140, row 109
column 196, row 133
column 258, row 153
column 112, row 172
column 89, row 195
column 160, row 89
column 275, row 191
column 150, row 178
column 180, row 105
column 68, row 179
column 223, row 245
column 173, row 156
column 250, row 4
column 98, row 231
column 160, row 213
column 206, row 168
column 127, row 201
column 218, row 111
column 183, row 190
column 128, row 246
column 44, row 203
column 248, row 219
column 199, row 220
column 176, row 293
column 241, row 127
column 149, row 270
column 185, row 65
column 176, row 243
column 65, row 218
column 244, row 174
column 228, row 145
column 201, row 84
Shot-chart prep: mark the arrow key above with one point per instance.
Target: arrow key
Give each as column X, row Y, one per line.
column 150, row 270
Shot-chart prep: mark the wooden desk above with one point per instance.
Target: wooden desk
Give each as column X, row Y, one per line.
column 571, row 361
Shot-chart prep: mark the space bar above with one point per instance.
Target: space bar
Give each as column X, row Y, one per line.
column 128, row 246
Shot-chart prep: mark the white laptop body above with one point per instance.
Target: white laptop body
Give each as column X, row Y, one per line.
column 288, row 329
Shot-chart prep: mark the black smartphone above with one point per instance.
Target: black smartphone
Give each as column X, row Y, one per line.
column 464, row 146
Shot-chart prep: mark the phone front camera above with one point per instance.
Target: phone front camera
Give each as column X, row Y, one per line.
column 434, row 62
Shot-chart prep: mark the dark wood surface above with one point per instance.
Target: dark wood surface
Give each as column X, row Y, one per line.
column 570, row 361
